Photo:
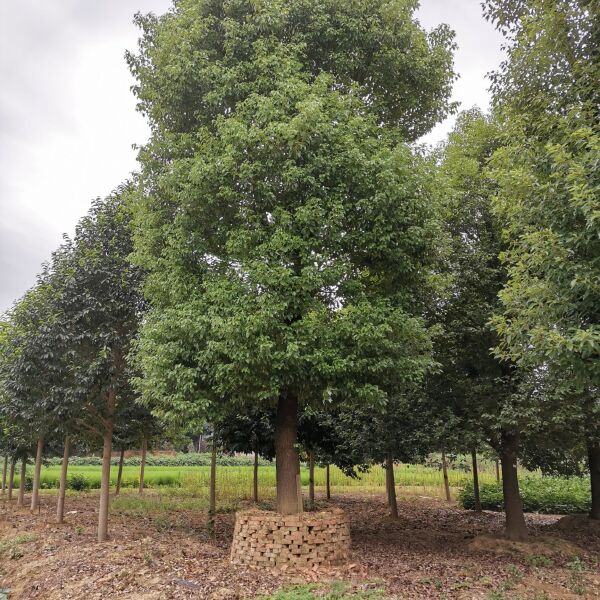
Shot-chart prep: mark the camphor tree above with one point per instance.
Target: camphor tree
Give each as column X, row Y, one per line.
column 285, row 225
column 485, row 397
column 394, row 432
column 99, row 309
column 547, row 95
column 322, row 440
column 135, row 428
column 250, row 432
column 6, row 445
column 560, row 448
column 31, row 372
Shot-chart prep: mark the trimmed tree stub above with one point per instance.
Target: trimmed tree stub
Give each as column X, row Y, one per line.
column 268, row 539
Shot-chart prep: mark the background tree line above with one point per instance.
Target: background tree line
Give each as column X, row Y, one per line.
column 293, row 271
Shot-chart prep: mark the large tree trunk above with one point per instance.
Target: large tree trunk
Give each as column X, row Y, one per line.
column 212, row 507
column 445, row 472
column 391, row 486
column 106, row 457
column 594, row 464
column 60, row 507
column 120, row 472
column 476, row 481
column 287, row 465
column 311, row 479
column 327, row 482
column 4, row 474
column 255, row 479
column 516, row 529
column 35, row 492
column 143, row 463
column 22, row 478
column 11, row 479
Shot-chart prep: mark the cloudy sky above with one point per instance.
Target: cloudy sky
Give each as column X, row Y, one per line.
column 68, row 120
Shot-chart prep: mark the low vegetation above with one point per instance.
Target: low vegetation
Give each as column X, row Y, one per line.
column 11, row 545
column 337, row 590
column 237, row 480
column 547, row 495
column 181, row 459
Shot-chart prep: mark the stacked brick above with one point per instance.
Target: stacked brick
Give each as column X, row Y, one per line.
column 267, row 539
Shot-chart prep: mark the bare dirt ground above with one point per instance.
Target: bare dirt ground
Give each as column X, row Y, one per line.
column 434, row 550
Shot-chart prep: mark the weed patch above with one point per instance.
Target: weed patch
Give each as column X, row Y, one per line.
column 333, row 591
column 11, row 546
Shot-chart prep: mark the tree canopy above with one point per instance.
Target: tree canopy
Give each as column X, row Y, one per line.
column 285, row 225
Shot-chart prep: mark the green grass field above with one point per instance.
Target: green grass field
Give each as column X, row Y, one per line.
column 186, row 488
column 236, row 482
column 174, row 489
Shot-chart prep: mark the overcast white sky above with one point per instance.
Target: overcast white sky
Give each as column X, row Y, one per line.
column 68, row 119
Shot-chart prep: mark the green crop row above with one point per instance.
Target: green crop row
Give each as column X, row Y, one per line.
column 540, row 494
column 193, row 459
column 547, row 495
column 236, row 481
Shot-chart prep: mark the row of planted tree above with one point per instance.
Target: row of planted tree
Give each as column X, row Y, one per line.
column 288, row 254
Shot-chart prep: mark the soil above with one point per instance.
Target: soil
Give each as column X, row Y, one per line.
column 434, row 550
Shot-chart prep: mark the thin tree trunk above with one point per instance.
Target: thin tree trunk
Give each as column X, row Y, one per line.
column 212, row 508
column 516, row 529
column 4, row 474
column 594, row 464
column 287, row 466
column 327, row 482
column 35, row 492
column 120, row 472
column 299, row 494
column 60, row 507
column 255, row 479
column 311, row 479
column 106, row 457
column 446, row 482
column 391, row 486
column 387, row 484
column 497, row 470
column 11, row 479
column 22, row 477
column 143, row 463
column 476, row 481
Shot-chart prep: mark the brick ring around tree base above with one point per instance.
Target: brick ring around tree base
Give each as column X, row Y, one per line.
column 268, row 539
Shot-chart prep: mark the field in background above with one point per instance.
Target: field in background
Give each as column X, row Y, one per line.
column 173, row 490
column 236, row 482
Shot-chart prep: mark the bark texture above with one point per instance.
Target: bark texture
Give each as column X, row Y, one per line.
column 255, row 479
column 143, row 463
column 60, row 507
column 120, row 472
column 4, row 474
column 106, row 456
column 289, row 496
column 446, row 481
column 22, row 478
column 391, row 486
column 212, row 508
column 311, row 478
column 516, row 529
column 35, row 492
column 476, row 481
column 11, row 479
column 594, row 464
